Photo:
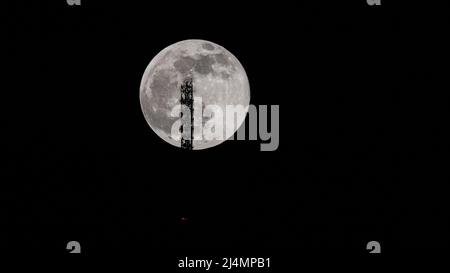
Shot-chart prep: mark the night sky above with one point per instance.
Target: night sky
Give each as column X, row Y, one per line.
column 363, row 131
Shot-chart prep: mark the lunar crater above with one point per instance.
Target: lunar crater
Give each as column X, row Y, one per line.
column 184, row 64
column 208, row 46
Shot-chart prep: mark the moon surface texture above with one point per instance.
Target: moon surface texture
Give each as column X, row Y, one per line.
column 218, row 79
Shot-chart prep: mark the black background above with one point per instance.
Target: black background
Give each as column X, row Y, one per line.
column 363, row 130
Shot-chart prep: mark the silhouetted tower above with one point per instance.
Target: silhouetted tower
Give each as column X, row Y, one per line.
column 187, row 121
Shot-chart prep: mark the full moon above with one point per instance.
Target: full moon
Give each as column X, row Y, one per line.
column 214, row 77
